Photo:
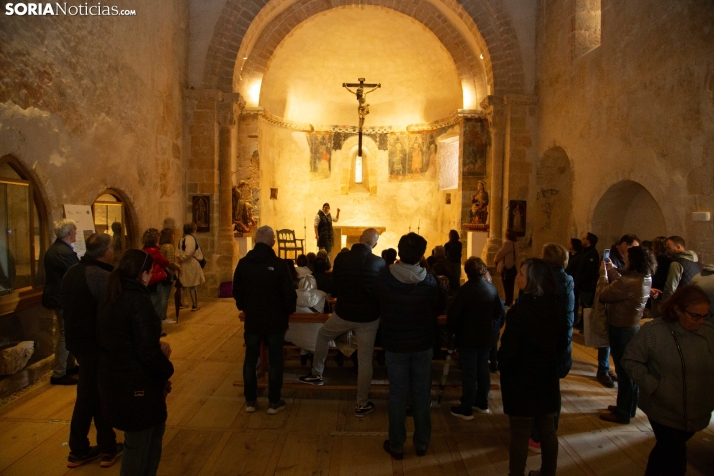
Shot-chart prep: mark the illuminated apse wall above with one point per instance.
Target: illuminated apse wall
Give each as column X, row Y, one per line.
column 411, row 117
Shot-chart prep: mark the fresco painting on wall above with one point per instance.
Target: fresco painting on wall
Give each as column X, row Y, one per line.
column 413, row 156
column 517, row 216
column 201, row 213
column 320, row 154
column 475, row 140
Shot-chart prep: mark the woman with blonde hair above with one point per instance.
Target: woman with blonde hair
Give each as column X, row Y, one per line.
column 556, row 256
column 190, row 255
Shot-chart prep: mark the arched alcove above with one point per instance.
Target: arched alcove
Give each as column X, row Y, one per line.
column 553, row 211
column 627, row 207
column 113, row 214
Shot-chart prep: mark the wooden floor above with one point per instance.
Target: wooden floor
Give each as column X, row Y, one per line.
column 209, row 433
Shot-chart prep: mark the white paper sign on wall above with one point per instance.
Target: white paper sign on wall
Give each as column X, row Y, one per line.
column 82, row 217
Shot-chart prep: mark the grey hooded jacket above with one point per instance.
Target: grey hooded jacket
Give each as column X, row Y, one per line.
column 676, row 385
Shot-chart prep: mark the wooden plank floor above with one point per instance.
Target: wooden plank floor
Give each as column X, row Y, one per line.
column 209, row 433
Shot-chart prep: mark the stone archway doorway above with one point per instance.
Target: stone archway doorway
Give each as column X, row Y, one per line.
column 627, row 207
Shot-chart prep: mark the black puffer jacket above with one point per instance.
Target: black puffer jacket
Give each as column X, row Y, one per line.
column 264, row 291
column 133, row 370
column 408, row 312
column 353, row 278
column 472, row 315
column 58, row 259
column 532, row 345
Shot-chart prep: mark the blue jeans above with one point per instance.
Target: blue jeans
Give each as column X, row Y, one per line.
column 275, row 372
column 405, row 370
column 142, row 451
column 603, row 360
column 475, row 378
column 627, row 390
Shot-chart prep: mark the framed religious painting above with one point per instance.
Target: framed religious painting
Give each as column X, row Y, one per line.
column 201, row 212
column 517, row 216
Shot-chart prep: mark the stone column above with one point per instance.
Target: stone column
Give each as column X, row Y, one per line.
column 226, row 247
column 495, row 110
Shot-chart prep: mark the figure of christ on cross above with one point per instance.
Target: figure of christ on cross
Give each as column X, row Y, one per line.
column 362, row 107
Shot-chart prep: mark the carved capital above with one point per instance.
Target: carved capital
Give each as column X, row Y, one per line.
column 494, row 108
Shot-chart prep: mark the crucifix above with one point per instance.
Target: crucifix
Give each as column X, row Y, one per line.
column 362, row 111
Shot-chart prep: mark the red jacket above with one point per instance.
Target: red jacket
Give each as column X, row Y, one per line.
column 157, row 272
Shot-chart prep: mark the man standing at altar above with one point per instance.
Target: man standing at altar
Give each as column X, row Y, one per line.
column 323, row 228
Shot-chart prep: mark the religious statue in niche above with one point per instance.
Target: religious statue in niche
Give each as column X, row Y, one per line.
column 201, row 212
column 242, row 217
column 517, row 216
column 478, row 215
column 475, row 140
column 320, row 153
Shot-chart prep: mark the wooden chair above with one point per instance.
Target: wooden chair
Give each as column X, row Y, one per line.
column 287, row 242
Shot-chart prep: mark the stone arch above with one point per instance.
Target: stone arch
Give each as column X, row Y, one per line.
column 488, row 22
column 130, row 225
column 553, row 211
column 627, row 207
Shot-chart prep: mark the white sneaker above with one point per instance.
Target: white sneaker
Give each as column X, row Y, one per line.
column 250, row 407
column 169, row 321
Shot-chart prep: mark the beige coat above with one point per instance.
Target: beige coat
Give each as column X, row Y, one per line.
column 191, row 272
column 625, row 297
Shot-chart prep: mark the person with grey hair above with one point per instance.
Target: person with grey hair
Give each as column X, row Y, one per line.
column 263, row 290
column 60, row 256
column 84, row 288
column 357, row 310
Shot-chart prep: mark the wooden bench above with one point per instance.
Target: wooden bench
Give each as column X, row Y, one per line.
column 318, row 319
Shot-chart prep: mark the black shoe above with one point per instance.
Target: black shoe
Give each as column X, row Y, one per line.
column 312, row 379
column 64, row 380
column 394, row 454
column 108, row 459
column 73, row 371
column 613, row 377
column 421, row 452
column 74, row 461
column 163, row 334
column 361, row 411
column 605, row 379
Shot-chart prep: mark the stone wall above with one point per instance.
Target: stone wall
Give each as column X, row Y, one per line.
column 639, row 107
column 95, row 102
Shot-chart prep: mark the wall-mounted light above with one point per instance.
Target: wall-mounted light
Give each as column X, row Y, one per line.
column 481, row 56
column 701, row 216
column 358, row 169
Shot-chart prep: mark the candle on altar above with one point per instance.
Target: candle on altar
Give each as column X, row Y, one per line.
column 419, row 225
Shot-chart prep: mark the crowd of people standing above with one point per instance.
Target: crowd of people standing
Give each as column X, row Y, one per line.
column 111, row 322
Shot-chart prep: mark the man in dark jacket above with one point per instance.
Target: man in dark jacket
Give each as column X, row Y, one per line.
column 476, row 311
column 619, row 250
column 410, row 301
column 587, row 277
column 83, row 288
column 263, row 290
column 58, row 259
column 353, row 277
